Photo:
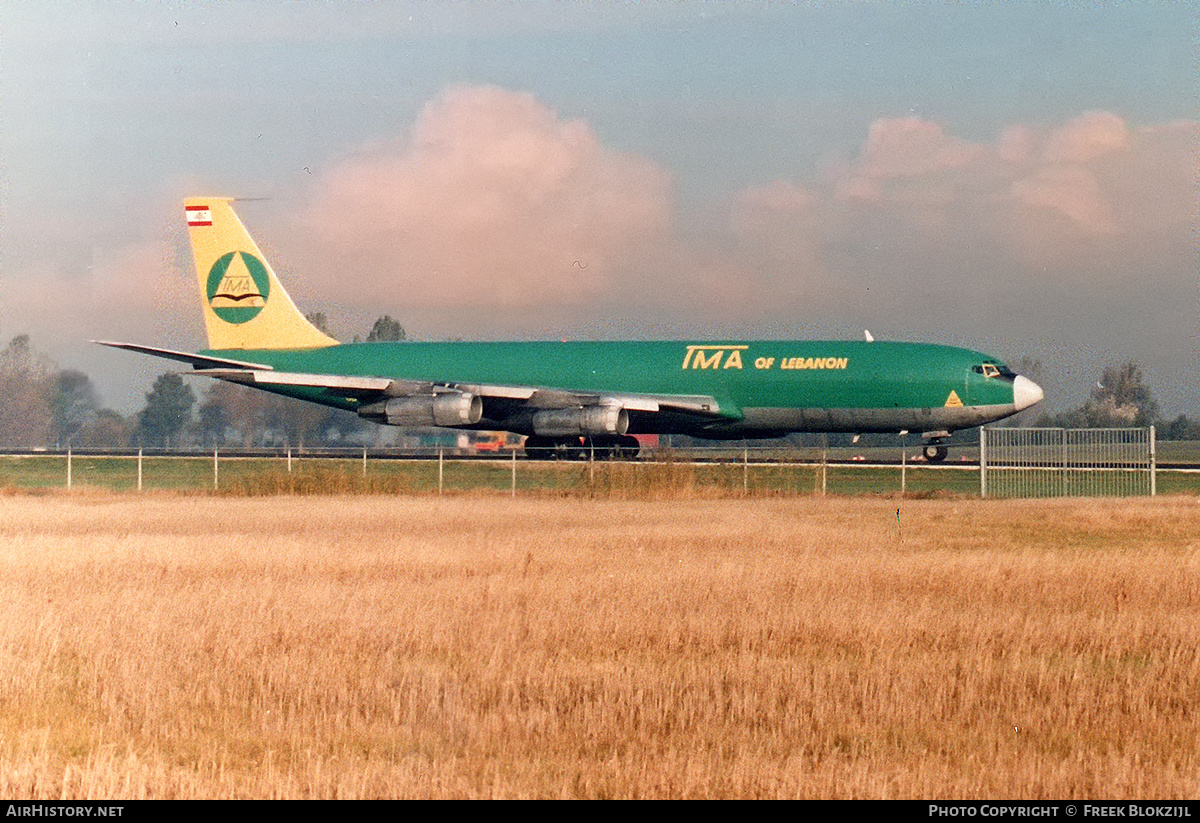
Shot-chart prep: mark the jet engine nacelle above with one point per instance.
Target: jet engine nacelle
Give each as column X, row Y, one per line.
column 588, row 420
column 444, row 409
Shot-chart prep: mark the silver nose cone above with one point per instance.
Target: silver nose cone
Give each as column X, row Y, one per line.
column 1026, row 393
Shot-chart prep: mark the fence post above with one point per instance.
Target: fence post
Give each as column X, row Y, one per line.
column 745, row 469
column 824, row 470
column 983, row 462
column 1066, row 476
column 364, row 461
column 215, row 486
column 441, row 449
column 289, row 459
column 1153, row 465
column 139, row 468
column 68, row 467
column 514, row 471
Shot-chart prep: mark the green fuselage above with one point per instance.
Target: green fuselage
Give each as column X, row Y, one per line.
column 761, row 387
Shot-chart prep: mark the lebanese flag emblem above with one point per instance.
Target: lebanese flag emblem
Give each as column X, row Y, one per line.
column 198, row 215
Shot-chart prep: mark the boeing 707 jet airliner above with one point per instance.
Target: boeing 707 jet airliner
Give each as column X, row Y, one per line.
column 567, row 396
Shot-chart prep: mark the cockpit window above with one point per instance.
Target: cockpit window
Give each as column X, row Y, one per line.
column 995, row 370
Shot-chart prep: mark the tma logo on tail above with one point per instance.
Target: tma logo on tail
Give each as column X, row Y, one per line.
column 238, row 286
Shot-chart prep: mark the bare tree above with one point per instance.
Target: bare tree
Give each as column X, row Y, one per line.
column 318, row 319
column 26, row 381
column 386, row 330
column 72, row 404
column 1120, row 398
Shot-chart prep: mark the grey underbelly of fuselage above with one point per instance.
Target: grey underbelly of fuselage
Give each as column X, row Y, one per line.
column 862, row 421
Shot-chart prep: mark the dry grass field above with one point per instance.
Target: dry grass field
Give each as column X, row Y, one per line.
column 482, row 646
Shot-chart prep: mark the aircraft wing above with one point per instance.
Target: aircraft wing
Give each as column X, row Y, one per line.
column 500, row 401
column 360, row 388
column 370, row 389
column 548, row 398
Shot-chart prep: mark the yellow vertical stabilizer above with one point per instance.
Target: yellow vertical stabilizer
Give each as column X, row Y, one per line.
column 245, row 307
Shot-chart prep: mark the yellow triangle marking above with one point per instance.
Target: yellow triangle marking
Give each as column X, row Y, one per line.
column 954, row 401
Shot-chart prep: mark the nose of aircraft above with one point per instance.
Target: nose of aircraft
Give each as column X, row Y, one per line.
column 1026, row 393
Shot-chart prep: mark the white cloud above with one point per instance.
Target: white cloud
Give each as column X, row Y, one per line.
column 1090, row 188
column 493, row 200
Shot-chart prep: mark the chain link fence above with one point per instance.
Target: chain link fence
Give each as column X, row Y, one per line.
column 1067, row 462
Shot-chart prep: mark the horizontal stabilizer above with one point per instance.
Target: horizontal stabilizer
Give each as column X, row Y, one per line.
column 197, row 361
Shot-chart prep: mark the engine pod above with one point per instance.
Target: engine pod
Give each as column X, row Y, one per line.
column 586, row 420
column 443, row 409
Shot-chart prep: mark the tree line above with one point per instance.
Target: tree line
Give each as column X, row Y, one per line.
column 1120, row 399
column 42, row 405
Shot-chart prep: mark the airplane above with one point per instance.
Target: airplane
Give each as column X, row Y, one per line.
column 575, row 398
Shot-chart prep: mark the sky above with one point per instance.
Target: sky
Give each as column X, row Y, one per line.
column 1017, row 178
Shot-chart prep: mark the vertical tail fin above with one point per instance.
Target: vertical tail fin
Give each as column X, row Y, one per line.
column 245, row 306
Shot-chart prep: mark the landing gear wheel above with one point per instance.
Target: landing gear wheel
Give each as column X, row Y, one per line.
column 539, row 448
column 611, row 447
column 627, row 447
column 598, row 448
column 936, row 452
column 567, row 448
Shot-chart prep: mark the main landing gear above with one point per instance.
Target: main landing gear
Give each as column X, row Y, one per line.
column 603, row 447
column 553, row 448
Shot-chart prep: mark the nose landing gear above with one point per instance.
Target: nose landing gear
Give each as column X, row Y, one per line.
column 935, row 449
column 935, row 453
